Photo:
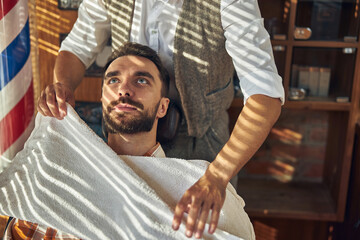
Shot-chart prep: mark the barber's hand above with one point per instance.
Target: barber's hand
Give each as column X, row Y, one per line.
column 207, row 193
column 52, row 100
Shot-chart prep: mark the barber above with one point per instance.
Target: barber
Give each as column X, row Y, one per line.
column 200, row 43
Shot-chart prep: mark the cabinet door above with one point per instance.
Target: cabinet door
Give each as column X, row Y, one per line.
column 324, row 74
column 328, row 20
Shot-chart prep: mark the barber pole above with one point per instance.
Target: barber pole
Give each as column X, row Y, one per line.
column 16, row 82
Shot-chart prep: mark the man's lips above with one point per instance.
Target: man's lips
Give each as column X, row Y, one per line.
column 125, row 107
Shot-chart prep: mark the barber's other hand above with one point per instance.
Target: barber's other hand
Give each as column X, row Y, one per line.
column 208, row 193
column 52, row 100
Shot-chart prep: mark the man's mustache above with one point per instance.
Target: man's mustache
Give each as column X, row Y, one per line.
column 124, row 100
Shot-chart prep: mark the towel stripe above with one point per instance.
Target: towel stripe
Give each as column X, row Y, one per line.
column 13, row 92
column 7, row 30
column 14, row 56
column 17, row 120
column 6, row 6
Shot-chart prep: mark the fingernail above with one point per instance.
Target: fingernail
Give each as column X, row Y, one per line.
column 188, row 233
column 198, row 235
column 62, row 114
column 175, row 226
column 212, row 229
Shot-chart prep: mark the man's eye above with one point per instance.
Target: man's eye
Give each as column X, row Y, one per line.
column 113, row 80
column 142, row 81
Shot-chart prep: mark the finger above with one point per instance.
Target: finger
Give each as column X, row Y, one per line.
column 42, row 105
column 179, row 212
column 61, row 104
column 215, row 214
column 51, row 102
column 202, row 220
column 188, row 207
column 63, row 95
column 193, row 215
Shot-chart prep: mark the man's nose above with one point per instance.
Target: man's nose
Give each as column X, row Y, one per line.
column 125, row 89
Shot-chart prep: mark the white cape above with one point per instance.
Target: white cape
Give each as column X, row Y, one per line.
column 68, row 178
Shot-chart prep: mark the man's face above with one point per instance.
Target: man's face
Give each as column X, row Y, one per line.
column 131, row 96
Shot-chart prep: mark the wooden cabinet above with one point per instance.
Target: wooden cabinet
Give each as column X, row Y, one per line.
column 349, row 229
column 316, row 49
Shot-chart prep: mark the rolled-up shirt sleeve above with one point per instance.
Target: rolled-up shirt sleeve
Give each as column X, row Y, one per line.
column 248, row 43
column 90, row 32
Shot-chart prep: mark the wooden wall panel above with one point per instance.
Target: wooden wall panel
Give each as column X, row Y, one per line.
column 49, row 25
column 51, row 22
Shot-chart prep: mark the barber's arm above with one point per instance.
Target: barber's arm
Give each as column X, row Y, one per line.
column 208, row 193
column 248, row 43
column 68, row 73
column 86, row 39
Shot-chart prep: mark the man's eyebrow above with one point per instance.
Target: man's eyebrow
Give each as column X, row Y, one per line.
column 144, row 74
column 137, row 74
column 111, row 74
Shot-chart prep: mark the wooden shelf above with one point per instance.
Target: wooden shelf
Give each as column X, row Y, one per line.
column 306, row 105
column 321, row 44
column 316, row 105
column 280, row 42
column 315, row 202
column 325, row 44
column 269, row 198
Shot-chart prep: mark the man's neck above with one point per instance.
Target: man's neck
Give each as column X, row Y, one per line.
column 132, row 144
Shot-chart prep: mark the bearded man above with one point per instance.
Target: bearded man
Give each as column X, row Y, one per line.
column 134, row 91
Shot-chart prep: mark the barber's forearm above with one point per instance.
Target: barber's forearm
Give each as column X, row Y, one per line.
column 252, row 127
column 69, row 70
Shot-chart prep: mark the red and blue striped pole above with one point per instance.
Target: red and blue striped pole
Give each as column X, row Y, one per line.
column 16, row 82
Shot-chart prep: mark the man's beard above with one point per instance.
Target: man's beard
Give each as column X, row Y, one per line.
column 115, row 122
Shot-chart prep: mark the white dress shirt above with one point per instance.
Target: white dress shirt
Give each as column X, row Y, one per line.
column 154, row 24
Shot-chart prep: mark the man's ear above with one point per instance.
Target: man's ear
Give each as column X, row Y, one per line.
column 163, row 106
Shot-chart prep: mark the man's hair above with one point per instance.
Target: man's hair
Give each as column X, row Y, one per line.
column 135, row 49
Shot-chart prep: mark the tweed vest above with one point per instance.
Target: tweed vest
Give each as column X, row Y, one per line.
column 203, row 68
